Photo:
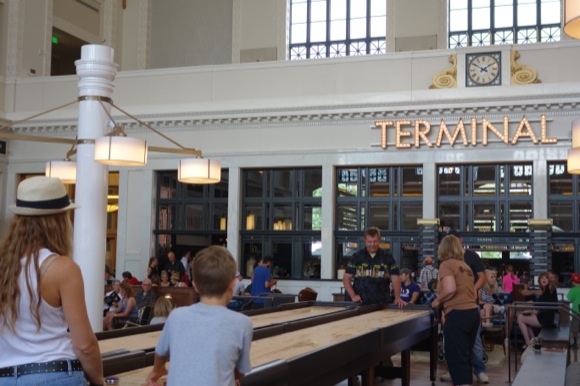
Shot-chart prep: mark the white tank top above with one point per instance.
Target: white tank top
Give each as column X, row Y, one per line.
column 51, row 342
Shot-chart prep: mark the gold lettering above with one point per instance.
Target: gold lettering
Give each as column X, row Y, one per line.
column 383, row 126
column 543, row 129
column 422, row 134
column 459, row 129
column 473, row 131
column 401, row 133
column 523, row 133
column 486, row 125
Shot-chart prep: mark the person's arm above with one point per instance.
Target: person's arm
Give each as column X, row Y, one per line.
column 270, row 283
column 130, row 304
column 415, row 297
column 347, row 283
column 445, row 290
column 481, row 279
column 66, row 275
column 159, row 369
column 396, row 280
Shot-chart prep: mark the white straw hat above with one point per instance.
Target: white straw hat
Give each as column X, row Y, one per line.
column 39, row 196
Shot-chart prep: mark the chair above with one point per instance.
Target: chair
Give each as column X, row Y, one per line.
column 143, row 317
column 307, row 294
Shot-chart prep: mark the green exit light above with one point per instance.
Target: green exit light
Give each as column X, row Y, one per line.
column 54, row 40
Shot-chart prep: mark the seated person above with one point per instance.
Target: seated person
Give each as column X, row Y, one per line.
column 176, row 280
column 128, row 277
column 488, row 299
column 161, row 310
column 409, row 291
column 164, row 280
column 147, row 296
column 530, row 319
column 239, row 287
column 112, row 298
column 127, row 308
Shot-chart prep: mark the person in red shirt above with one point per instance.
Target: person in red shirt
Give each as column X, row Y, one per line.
column 127, row 277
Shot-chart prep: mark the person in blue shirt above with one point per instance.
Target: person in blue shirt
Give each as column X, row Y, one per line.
column 262, row 282
column 409, row 291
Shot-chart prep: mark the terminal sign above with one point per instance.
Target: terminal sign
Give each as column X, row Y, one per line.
column 416, row 133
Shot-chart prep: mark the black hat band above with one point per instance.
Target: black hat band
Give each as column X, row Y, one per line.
column 56, row 203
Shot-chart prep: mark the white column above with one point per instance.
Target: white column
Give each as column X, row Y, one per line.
column 97, row 72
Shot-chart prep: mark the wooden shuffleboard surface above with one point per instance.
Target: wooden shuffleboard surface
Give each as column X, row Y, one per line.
column 297, row 343
column 302, row 342
column 291, row 315
column 149, row 340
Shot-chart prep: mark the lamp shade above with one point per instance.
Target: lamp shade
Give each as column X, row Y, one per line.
column 572, row 18
column 576, row 134
column 66, row 171
column 573, row 165
column 199, row 171
column 121, row 151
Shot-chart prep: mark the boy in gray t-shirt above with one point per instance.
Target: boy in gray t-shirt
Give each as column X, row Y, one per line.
column 208, row 344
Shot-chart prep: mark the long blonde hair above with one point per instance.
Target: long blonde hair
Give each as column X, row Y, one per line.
column 25, row 237
column 490, row 289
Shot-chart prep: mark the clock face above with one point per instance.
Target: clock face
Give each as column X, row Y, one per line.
column 483, row 69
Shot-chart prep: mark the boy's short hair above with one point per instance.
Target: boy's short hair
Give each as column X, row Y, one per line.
column 214, row 268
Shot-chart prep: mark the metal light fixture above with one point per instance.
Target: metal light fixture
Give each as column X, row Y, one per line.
column 572, row 18
column 121, row 151
column 576, row 134
column 199, row 171
column 573, row 164
column 65, row 170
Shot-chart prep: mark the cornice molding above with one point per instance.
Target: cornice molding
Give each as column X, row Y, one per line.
column 561, row 105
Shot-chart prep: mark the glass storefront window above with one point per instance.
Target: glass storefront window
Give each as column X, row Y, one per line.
column 449, row 180
column 166, row 215
column 282, row 183
column 193, row 190
column 412, row 182
column 282, row 218
column 347, row 183
column 311, row 255
column 379, row 215
column 449, row 215
column 484, row 180
column 312, row 183
column 253, row 183
column 519, row 215
column 520, row 180
column 379, row 182
column 347, row 217
column 167, row 185
column 312, row 217
column 562, row 215
column 194, row 217
column 560, row 182
column 410, row 213
column 484, row 217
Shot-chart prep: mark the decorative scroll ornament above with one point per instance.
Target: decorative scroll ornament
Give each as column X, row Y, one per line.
column 520, row 73
column 448, row 77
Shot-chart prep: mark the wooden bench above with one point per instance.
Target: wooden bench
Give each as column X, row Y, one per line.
column 543, row 368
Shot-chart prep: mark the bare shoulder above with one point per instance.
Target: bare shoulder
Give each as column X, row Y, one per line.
column 62, row 266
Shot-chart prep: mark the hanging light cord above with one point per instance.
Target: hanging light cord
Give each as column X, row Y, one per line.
column 38, row 115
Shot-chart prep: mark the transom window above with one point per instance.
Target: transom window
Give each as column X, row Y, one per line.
column 496, row 22
column 335, row 28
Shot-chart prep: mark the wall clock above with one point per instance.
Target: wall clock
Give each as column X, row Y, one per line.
column 483, row 69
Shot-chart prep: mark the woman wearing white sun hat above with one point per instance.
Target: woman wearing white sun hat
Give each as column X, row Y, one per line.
column 45, row 333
